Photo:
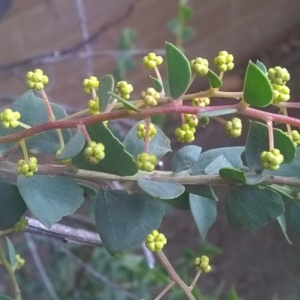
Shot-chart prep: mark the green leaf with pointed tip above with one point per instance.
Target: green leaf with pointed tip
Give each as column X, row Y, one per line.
column 12, row 206
column 11, row 252
column 258, row 90
column 185, row 12
column 293, row 216
column 204, row 211
column 124, row 219
column 50, row 198
column 232, row 174
column 161, row 190
column 282, row 223
column 202, row 190
column 33, row 112
column 185, row 158
column 73, row 147
column 218, row 112
column 233, row 221
column 258, row 141
column 255, row 206
column 214, row 167
column 174, row 26
column 156, row 84
column 232, row 154
column 159, row 144
column 213, row 79
column 188, row 33
column 2, row 297
column 181, row 202
column 106, row 86
column 261, row 66
column 117, row 160
column 127, row 104
column 179, row 71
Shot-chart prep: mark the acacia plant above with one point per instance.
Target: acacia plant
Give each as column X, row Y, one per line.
column 261, row 187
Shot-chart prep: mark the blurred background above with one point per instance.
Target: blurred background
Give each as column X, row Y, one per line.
column 73, row 39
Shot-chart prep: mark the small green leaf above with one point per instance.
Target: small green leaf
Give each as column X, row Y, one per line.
column 214, row 167
column 117, row 160
column 127, row 104
column 174, row 26
column 156, row 84
column 11, row 252
column 185, row 158
column 261, row 66
column 73, row 147
column 285, row 192
column 185, row 12
column 181, row 202
column 188, row 33
column 161, row 190
column 179, row 71
column 232, row 174
column 202, row 190
column 257, row 90
column 217, row 113
column 159, row 144
column 282, row 223
column 293, row 216
column 124, row 219
column 254, row 206
column 233, row 221
column 232, row 154
column 204, row 212
column 106, row 87
column 213, row 79
column 12, row 206
column 50, row 198
column 258, row 141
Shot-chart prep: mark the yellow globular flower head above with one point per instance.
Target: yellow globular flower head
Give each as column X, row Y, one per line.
column 36, row 79
column 93, row 106
column 155, row 241
column 224, row 61
column 10, row 118
column 202, row 264
column 90, row 83
column 233, row 128
column 271, row 160
column 146, row 162
column 151, row 61
column 281, row 93
column 21, row 225
column 185, row 133
column 141, row 131
column 199, row 66
column 192, row 120
column 20, row 262
column 94, row 152
column 295, row 137
column 150, row 97
column 278, row 75
column 27, row 168
column 202, row 102
column 124, row 89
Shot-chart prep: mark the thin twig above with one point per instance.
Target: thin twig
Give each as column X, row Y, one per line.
column 39, row 265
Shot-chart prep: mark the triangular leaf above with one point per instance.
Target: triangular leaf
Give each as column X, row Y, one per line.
column 127, row 104
column 124, row 219
column 156, row 84
column 106, row 87
column 232, row 174
column 179, row 71
column 257, row 90
column 50, row 198
column 213, row 79
column 11, row 252
column 218, row 163
column 282, row 223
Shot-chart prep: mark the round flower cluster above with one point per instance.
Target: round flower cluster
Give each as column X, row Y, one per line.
column 295, row 136
column 151, row 61
column 67, row 161
column 94, row 152
column 279, row 75
column 146, row 162
column 204, row 101
column 10, row 118
column 271, row 160
column 224, row 61
column 36, row 80
column 185, row 133
column 124, row 89
column 90, row 83
column 20, row 262
column 21, row 225
column 150, row 96
column 199, row 66
column 93, row 106
column 202, row 264
column 141, row 131
column 192, row 120
column 233, row 128
column 27, row 169
column 281, row 93
column 155, row 241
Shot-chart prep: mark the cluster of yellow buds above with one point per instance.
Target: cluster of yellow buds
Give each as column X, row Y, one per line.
column 233, row 128
column 37, row 80
column 90, row 83
column 21, row 225
column 141, row 131
column 151, row 61
column 124, row 89
column 295, row 137
column 155, row 241
column 271, row 160
column 93, row 106
column 20, row 262
column 199, row 66
column 202, row 102
column 150, row 97
column 202, row 264
column 94, row 152
column 27, row 169
column 224, row 61
column 146, row 162
column 10, row 118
